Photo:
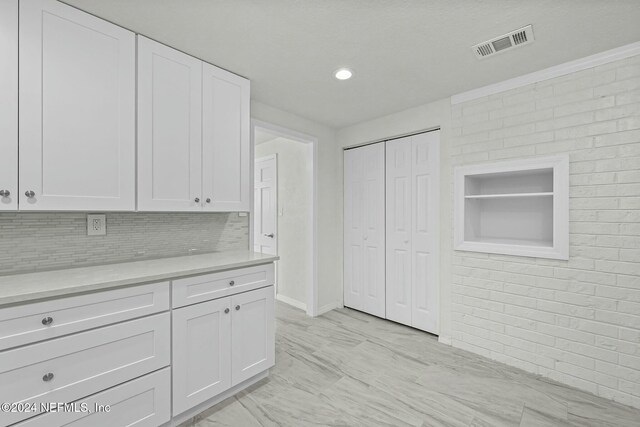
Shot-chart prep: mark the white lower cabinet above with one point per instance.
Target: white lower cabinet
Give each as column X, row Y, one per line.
column 252, row 333
column 143, row 402
column 219, row 344
column 132, row 349
column 201, row 353
column 69, row 368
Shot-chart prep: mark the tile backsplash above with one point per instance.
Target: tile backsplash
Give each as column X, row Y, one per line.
column 45, row 241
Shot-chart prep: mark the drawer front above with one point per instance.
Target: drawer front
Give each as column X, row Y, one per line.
column 69, row 368
column 143, row 402
column 29, row 323
column 196, row 289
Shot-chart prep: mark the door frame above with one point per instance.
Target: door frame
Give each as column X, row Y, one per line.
column 312, row 287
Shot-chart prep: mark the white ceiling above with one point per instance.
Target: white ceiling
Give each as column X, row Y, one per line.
column 403, row 52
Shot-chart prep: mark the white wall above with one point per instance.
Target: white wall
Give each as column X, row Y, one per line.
column 329, row 276
column 294, row 215
column 575, row 321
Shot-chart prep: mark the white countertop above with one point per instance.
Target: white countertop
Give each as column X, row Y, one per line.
column 20, row 288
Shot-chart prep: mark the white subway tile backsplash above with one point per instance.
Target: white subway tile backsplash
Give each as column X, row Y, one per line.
column 43, row 241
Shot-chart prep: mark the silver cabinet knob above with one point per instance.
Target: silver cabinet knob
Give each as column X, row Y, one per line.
column 270, row 235
column 30, row 194
column 197, row 200
column 237, row 307
column 208, row 200
column 226, row 311
column 231, row 283
column 5, row 193
column 47, row 377
column 47, row 321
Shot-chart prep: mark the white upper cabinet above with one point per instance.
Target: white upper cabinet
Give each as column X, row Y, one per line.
column 77, row 110
column 9, row 105
column 225, row 140
column 169, row 129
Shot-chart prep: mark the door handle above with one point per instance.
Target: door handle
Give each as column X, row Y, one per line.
column 270, row 235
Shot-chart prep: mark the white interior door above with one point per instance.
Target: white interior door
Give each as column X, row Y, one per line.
column 399, row 230
column 9, row 105
column 169, row 129
column 77, row 110
column 364, row 235
column 265, row 218
column 425, row 177
column 412, row 233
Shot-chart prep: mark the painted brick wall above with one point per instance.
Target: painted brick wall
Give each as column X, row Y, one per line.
column 43, row 241
column 575, row 321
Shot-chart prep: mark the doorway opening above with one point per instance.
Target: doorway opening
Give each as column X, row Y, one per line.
column 284, row 210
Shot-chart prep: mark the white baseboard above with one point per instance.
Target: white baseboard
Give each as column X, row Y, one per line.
column 328, row 307
column 293, row 302
column 444, row 339
column 605, row 57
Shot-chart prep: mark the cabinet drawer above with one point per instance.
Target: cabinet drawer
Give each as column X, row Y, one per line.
column 196, row 289
column 143, row 402
column 25, row 324
column 69, row 368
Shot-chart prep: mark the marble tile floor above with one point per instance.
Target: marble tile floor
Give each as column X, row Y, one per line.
column 347, row 368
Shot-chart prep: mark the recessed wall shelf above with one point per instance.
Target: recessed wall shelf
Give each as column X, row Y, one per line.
column 516, row 207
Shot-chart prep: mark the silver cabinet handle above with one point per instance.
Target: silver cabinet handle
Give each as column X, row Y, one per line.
column 208, row 200
column 237, row 307
column 47, row 377
column 197, row 200
column 231, row 283
column 226, row 311
column 270, row 235
column 47, row 321
column 5, row 193
column 30, row 194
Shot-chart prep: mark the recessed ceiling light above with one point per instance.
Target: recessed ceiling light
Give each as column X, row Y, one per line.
column 343, row 74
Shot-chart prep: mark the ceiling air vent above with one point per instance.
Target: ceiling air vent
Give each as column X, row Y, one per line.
column 507, row 41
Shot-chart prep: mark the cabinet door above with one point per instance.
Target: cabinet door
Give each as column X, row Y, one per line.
column 201, row 353
column 252, row 333
column 225, row 139
column 77, row 110
column 169, row 129
column 364, row 270
column 426, row 204
column 399, row 230
column 9, row 105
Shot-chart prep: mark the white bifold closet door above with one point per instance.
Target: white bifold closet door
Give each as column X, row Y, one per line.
column 412, row 184
column 364, row 235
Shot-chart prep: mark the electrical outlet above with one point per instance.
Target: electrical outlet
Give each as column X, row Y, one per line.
column 96, row 225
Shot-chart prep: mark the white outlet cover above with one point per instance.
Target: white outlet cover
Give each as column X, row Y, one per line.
column 96, row 225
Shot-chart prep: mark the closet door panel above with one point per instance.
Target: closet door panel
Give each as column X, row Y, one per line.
column 425, row 196
column 353, row 229
column 398, row 230
column 374, row 233
column 169, row 129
